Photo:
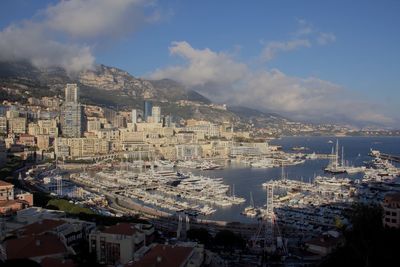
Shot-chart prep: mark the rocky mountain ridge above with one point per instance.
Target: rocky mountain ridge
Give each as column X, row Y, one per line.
column 116, row 88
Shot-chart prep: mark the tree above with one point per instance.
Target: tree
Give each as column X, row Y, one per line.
column 229, row 240
column 200, row 235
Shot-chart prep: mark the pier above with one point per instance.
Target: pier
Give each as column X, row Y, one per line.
column 389, row 157
column 378, row 154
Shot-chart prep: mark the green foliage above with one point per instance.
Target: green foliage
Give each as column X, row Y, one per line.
column 65, row 205
column 200, row 235
column 13, row 163
column 368, row 243
column 229, row 240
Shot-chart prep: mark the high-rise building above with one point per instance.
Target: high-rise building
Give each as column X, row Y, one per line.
column 71, row 93
column 156, row 114
column 147, row 109
column 134, row 116
column 72, row 119
column 72, row 113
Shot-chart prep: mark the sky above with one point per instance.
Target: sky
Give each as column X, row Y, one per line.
column 331, row 61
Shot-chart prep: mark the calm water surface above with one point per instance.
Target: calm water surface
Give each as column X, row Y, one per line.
column 246, row 180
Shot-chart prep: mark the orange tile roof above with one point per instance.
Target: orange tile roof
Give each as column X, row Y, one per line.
column 121, row 229
column 3, row 183
column 165, row 256
column 5, row 203
column 34, row 246
column 39, row 227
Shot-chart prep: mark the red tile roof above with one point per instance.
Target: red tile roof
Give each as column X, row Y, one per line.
column 6, row 203
column 165, row 256
column 39, row 227
column 3, row 183
column 34, row 246
column 121, row 229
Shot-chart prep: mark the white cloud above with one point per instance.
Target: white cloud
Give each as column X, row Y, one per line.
column 304, row 28
column 325, row 38
column 272, row 48
column 97, row 18
column 219, row 76
column 304, row 37
column 204, row 66
column 30, row 42
column 42, row 39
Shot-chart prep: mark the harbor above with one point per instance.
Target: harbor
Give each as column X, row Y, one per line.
column 307, row 199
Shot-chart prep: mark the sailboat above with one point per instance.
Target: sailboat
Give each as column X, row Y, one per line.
column 250, row 211
column 335, row 166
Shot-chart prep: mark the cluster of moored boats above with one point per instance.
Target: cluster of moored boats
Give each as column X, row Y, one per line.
column 318, row 205
column 165, row 189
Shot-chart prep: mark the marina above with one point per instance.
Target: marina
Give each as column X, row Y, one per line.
column 223, row 194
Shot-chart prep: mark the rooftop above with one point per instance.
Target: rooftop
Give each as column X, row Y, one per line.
column 3, row 183
column 164, row 255
column 34, row 246
column 40, row 227
column 121, row 229
column 392, row 197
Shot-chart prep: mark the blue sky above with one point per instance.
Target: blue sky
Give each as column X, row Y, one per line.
column 360, row 54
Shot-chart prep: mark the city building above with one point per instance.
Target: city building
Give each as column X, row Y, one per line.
column 27, row 140
column 117, row 244
column 324, row 244
column 93, row 125
column 71, row 93
column 81, row 147
column 72, row 120
column 43, row 142
column 171, row 255
column 3, row 152
column 391, row 210
column 72, row 113
column 71, row 230
column 147, row 109
column 184, row 152
column 10, row 203
column 35, row 248
column 17, row 125
column 48, row 127
column 3, row 125
column 156, row 114
column 134, row 116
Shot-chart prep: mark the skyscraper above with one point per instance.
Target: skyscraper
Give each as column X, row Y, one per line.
column 147, row 109
column 156, row 114
column 72, row 113
column 72, row 119
column 71, row 92
column 134, row 116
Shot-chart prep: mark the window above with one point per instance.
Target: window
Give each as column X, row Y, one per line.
column 394, row 213
column 387, row 213
column 387, row 220
column 394, row 221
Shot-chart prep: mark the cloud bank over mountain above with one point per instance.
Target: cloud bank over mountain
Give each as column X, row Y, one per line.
column 222, row 78
column 64, row 34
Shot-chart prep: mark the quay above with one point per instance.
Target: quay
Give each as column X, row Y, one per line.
column 389, row 157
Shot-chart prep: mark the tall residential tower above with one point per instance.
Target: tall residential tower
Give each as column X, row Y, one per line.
column 72, row 113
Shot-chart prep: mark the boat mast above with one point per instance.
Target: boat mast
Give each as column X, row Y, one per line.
column 337, row 154
column 251, row 200
column 342, row 156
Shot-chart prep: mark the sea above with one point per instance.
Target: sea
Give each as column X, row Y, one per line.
column 245, row 179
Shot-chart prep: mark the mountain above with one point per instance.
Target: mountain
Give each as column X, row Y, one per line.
column 115, row 88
